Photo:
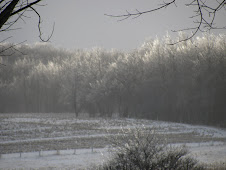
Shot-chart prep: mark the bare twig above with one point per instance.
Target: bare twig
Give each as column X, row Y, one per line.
column 25, row 7
column 204, row 16
column 19, row 7
column 39, row 27
column 138, row 13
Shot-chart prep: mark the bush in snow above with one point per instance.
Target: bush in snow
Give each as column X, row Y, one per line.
column 142, row 150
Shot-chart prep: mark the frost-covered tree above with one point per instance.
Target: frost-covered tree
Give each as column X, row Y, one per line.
column 182, row 83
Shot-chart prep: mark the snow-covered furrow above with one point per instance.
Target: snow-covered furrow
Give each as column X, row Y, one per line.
column 53, row 139
column 24, row 130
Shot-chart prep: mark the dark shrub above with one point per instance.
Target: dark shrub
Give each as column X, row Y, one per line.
column 141, row 149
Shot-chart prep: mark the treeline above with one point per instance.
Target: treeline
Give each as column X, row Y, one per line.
column 183, row 83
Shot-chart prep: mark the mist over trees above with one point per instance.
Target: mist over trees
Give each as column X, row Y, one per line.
column 183, row 83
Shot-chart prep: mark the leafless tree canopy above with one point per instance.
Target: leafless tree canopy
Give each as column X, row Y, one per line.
column 204, row 14
column 13, row 10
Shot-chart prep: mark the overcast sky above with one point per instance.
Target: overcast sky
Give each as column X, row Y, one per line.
column 82, row 23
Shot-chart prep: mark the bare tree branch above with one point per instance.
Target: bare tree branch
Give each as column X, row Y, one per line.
column 19, row 7
column 11, row 11
column 39, row 27
column 25, row 7
column 204, row 16
column 6, row 13
column 138, row 13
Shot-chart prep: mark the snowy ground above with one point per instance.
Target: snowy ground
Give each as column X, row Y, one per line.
column 66, row 159
column 86, row 158
column 39, row 136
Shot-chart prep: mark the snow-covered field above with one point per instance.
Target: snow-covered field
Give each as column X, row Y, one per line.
column 61, row 141
column 66, row 159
